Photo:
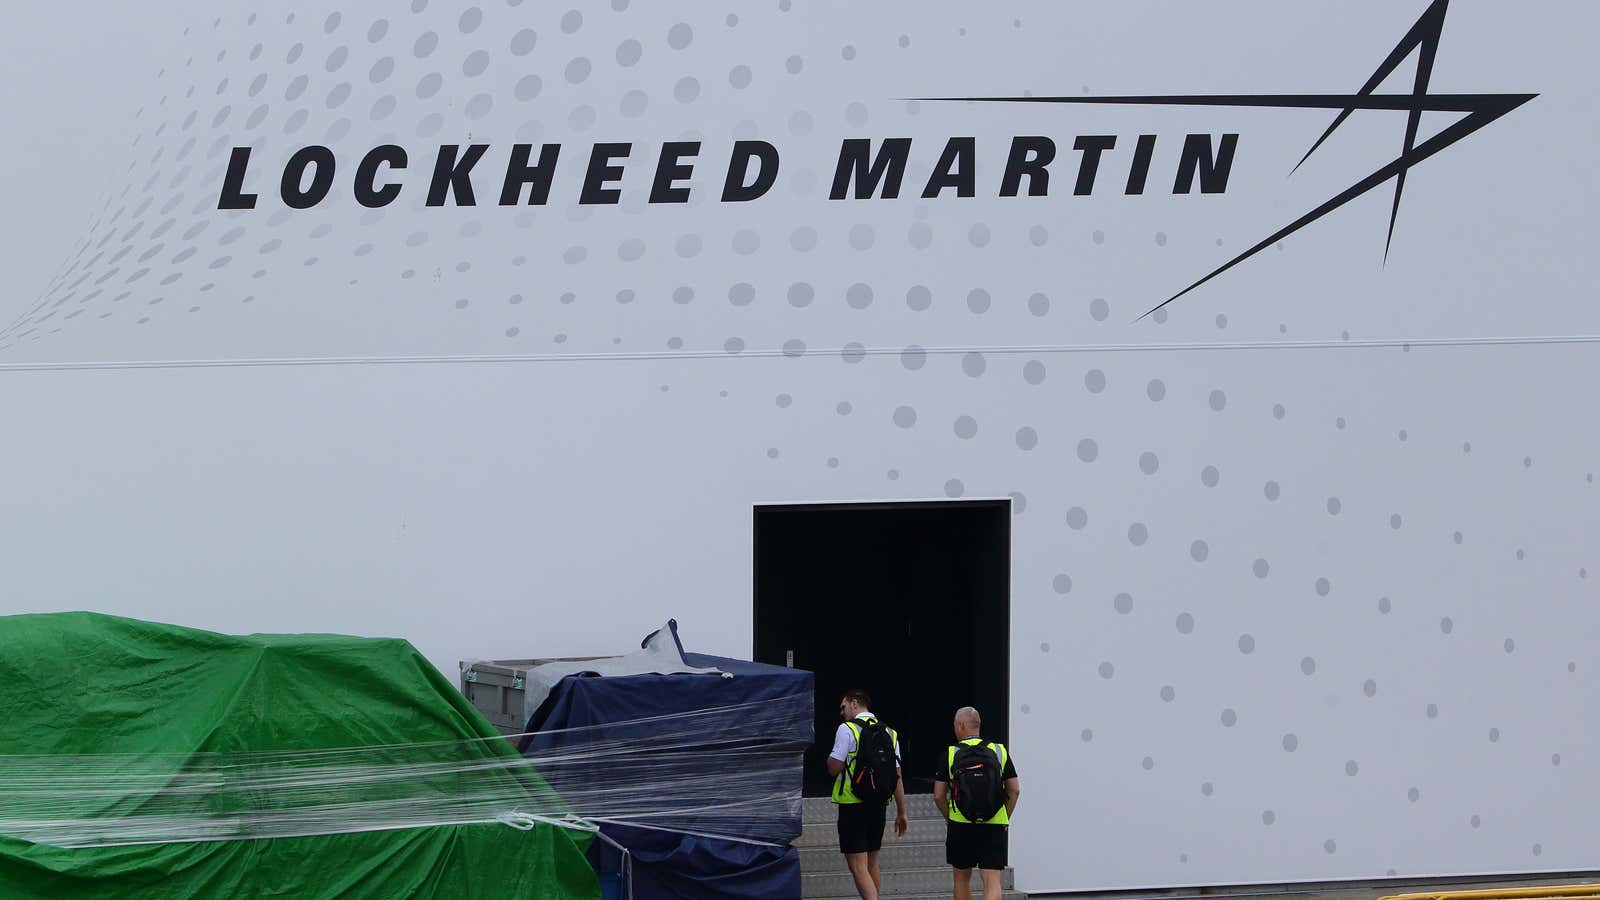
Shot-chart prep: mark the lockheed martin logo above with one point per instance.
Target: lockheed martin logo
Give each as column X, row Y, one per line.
column 1478, row 110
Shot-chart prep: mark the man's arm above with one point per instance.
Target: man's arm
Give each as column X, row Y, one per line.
column 842, row 736
column 900, row 823
column 1013, row 793
column 939, row 798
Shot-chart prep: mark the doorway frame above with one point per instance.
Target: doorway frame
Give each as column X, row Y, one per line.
column 1002, row 503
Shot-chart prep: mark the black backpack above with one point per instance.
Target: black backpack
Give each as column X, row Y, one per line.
column 976, row 787
column 872, row 773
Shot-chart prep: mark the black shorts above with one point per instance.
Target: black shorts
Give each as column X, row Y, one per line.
column 861, row 826
column 969, row 846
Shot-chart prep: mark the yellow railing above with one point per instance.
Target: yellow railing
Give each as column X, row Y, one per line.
column 1563, row 892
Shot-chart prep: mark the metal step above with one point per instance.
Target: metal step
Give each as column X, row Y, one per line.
column 821, row 809
column 894, row 857
column 977, row 894
column 906, row 881
column 826, row 833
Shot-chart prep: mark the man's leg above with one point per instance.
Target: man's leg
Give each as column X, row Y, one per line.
column 963, row 883
column 858, row 870
column 991, row 883
column 872, row 869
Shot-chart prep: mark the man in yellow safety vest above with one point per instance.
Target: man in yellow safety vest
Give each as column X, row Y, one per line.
column 865, row 765
column 977, row 792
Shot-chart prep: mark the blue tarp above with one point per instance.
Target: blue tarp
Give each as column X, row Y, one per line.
column 669, row 865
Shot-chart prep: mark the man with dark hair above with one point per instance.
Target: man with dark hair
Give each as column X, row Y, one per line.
column 977, row 791
column 865, row 765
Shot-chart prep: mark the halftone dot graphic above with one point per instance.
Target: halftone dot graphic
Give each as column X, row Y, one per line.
column 1094, row 381
column 1027, row 438
column 858, row 295
column 1149, row 463
column 523, row 42
column 1138, row 534
column 1268, row 817
column 1291, row 743
column 1446, row 625
column 1308, row 666
column 1218, row 401
column 1086, row 735
column 1323, row 586
column 1088, row 450
column 1062, row 584
column 855, row 352
column 1261, row 568
column 1184, row 623
column 680, row 36
column 801, row 294
column 1107, row 670
column 1099, row 309
column 1494, row 735
column 571, row 21
column 1370, row 688
column 1033, row 372
column 1247, row 644
column 686, row 90
column 1077, row 518
column 1210, row 477
column 804, row 239
column 919, row 298
column 954, row 488
column 978, row 300
column 1038, row 236
column 1271, row 490
column 794, row 348
column 966, row 427
column 1122, row 603
column 1384, row 605
column 1229, row 718
column 905, row 416
column 1395, row 521
column 1199, row 551
column 742, row 294
column 1334, row 506
column 1156, row 390
column 1168, row 693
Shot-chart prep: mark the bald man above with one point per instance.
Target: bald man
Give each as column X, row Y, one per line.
column 980, row 778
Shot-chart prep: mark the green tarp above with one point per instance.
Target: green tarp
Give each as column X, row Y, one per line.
column 80, row 683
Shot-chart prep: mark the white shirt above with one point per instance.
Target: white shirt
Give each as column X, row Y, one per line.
column 844, row 741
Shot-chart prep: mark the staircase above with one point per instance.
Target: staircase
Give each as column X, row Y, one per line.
column 912, row 866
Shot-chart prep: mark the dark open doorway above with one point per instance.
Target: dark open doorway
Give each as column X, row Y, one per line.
column 910, row 601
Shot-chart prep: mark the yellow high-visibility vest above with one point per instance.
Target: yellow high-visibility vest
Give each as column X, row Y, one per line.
column 1001, row 817
column 843, row 791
